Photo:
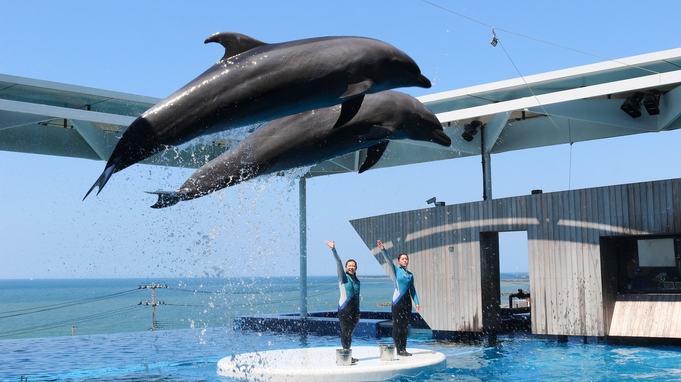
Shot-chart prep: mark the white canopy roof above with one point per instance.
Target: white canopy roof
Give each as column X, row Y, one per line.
column 571, row 105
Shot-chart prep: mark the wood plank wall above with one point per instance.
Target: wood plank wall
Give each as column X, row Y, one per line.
column 569, row 295
column 647, row 316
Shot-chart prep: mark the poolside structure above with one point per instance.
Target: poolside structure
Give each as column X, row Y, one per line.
column 603, row 261
column 595, row 257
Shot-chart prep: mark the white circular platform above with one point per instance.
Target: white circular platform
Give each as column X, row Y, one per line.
column 316, row 364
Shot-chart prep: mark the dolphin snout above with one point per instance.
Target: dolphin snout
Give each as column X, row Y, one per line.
column 423, row 82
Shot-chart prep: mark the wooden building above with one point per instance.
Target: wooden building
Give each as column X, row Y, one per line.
column 603, row 261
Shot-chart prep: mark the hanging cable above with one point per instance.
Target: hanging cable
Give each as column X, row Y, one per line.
column 45, row 308
column 536, row 39
column 69, row 322
column 531, row 91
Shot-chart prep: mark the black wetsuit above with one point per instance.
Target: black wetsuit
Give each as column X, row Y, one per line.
column 401, row 315
column 403, row 282
column 348, row 304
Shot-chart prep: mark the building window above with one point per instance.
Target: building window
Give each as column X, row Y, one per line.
column 648, row 264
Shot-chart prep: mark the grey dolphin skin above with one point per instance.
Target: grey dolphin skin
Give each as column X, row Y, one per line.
column 255, row 82
column 311, row 137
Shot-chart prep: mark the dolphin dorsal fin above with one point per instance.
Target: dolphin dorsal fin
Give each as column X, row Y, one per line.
column 234, row 43
column 374, row 153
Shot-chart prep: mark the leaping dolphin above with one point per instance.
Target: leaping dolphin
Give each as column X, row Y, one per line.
column 309, row 138
column 255, row 82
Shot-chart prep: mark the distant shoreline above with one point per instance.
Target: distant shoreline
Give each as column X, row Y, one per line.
column 161, row 279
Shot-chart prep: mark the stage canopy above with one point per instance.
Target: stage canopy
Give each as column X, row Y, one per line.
column 565, row 106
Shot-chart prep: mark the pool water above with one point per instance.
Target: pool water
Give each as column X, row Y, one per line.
column 192, row 355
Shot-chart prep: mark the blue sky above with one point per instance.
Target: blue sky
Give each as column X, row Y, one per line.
column 152, row 48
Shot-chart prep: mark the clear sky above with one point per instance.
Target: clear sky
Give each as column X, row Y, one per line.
column 152, row 48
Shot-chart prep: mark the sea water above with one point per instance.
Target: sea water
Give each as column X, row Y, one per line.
column 112, row 339
column 44, row 308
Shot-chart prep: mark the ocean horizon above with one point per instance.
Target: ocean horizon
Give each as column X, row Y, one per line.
column 33, row 308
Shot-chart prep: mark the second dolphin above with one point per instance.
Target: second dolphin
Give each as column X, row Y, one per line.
column 311, row 137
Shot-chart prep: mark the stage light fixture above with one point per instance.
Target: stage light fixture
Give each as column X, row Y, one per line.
column 632, row 105
column 470, row 130
column 434, row 202
column 651, row 101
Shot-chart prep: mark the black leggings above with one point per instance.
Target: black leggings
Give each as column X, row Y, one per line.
column 401, row 317
column 348, row 321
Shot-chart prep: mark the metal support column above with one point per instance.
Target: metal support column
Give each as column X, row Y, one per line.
column 489, row 135
column 487, row 175
column 302, row 197
column 486, row 167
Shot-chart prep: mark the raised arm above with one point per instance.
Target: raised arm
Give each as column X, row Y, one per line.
column 339, row 263
column 391, row 268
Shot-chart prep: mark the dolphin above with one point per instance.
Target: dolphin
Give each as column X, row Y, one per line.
column 255, row 82
column 311, row 137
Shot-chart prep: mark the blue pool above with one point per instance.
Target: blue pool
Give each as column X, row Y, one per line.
column 192, row 355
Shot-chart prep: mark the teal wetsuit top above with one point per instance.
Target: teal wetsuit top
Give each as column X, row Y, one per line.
column 403, row 280
column 349, row 286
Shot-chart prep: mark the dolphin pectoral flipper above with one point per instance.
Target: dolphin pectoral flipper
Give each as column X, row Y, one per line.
column 349, row 109
column 101, row 181
column 374, row 153
column 166, row 198
column 234, row 43
column 377, row 132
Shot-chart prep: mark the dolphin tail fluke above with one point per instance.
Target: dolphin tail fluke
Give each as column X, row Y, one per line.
column 166, row 198
column 101, row 181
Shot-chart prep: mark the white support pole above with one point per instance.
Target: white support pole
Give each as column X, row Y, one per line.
column 303, row 247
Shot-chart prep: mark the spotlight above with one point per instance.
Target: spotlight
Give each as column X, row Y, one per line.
column 632, row 105
column 470, row 129
column 651, row 101
column 434, row 202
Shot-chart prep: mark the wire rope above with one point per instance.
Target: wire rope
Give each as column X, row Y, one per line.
column 45, row 308
column 77, row 320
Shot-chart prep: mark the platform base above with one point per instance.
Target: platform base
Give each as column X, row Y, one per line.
column 315, row 364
